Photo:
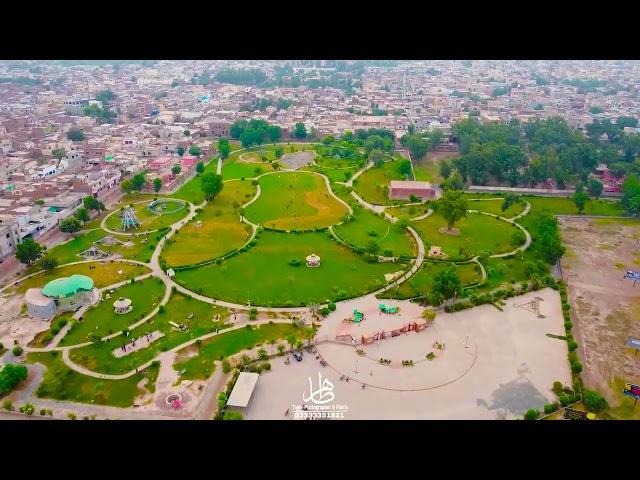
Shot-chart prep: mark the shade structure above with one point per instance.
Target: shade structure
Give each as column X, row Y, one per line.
column 67, row 286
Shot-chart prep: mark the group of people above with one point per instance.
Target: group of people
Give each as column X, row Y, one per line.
column 147, row 336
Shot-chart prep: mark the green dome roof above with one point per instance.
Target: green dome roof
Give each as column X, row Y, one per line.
column 67, row 286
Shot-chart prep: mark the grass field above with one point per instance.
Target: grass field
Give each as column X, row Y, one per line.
column 99, row 356
column 226, row 344
column 192, row 191
column 62, row 383
column 105, row 273
column 477, row 233
column 295, row 201
column 221, row 230
column 422, row 282
column 566, row 206
column 408, row 212
column 264, row 276
column 100, row 320
column 495, row 207
column 366, row 226
column 371, row 184
column 336, row 169
column 147, row 219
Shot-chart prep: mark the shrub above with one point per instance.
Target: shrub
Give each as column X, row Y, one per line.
column 55, row 331
column 226, row 366
column 332, row 307
column 565, row 400
column 531, row 414
column 71, row 416
column 576, row 367
column 43, row 411
column 266, row 366
column 566, row 307
column 594, row 401
column 62, row 322
column 17, row 350
column 161, row 309
column 325, row 311
column 7, row 405
column 568, row 326
column 27, row 409
column 558, row 388
column 295, row 262
column 550, row 408
column 572, row 345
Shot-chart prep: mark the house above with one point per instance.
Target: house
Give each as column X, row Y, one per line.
column 160, row 163
column 404, row 189
column 188, row 161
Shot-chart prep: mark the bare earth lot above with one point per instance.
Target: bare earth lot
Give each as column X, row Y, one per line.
column 605, row 306
column 509, row 366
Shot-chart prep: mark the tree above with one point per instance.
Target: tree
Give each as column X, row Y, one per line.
column 274, row 132
column 211, row 184
column 48, row 263
column 509, row 199
column 75, row 135
column 429, row 314
column 402, row 224
column 278, row 152
column 291, row 340
column 417, row 145
column 195, row 150
column 454, row 182
column 452, row 206
column 105, row 96
column 157, row 184
column 445, row 169
column 93, row 203
column 594, row 401
column 126, row 186
column 224, row 148
column 548, row 238
column 447, row 283
column 631, row 194
column 82, row 214
column 187, row 133
column 176, row 169
column 262, row 354
column 28, row 250
column 300, row 130
column 580, row 199
column 377, row 157
column 10, row 376
column 70, row 225
column 531, row 414
column 594, row 187
column 373, row 247
column 199, row 167
column 180, row 151
column 58, row 153
column 138, row 182
column 405, row 168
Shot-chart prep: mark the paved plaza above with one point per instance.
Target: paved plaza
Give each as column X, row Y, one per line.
column 494, row 365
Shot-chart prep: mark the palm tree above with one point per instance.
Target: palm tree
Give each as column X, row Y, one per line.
column 309, row 333
column 291, row 340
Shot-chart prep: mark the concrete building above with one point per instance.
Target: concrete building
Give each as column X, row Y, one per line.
column 403, row 190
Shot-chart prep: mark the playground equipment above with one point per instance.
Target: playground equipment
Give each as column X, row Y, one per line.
column 385, row 309
column 631, row 275
column 357, row 315
column 161, row 206
column 129, row 219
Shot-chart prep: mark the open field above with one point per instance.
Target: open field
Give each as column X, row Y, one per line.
column 192, row 191
column 100, row 320
column 365, row 226
column 500, row 375
column 477, row 233
column 295, row 201
column 227, row 344
column 373, row 184
column 99, row 356
column 422, row 282
column 220, row 232
column 105, row 273
column 566, row 206
column 264, row 276
column 605, row 306
column 408, row 212
column 148, row 220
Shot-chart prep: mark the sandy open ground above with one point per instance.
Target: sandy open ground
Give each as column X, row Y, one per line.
column 494, row 365
column 605, row 305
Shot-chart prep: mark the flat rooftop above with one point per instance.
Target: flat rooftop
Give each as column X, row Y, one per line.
column 409, row 184
column 243, row 389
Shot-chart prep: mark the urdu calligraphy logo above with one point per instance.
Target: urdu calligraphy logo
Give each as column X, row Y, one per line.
column 324, row 393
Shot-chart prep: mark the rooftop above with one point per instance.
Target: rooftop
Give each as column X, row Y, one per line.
column 67, row 286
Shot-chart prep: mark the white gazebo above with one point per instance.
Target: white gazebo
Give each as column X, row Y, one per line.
column 313, row 260
column 122, row 306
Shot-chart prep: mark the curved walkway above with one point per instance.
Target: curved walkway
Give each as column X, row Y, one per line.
column 103, row 223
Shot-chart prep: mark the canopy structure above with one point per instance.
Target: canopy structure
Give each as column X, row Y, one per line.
column 122, row 305
column 243, row 389
column 313, row 260
column 67, row 286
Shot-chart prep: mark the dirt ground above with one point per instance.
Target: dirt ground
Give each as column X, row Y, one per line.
column 605, row 306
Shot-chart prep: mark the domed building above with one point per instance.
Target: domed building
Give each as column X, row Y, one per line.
column 59, row 295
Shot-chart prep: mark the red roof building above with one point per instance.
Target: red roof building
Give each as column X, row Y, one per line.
column 402, row 190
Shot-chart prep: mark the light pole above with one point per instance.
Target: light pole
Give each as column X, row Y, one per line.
column 356, row 370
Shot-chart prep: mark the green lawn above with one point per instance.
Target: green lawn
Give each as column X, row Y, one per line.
column 495, row 207
column 263, row 274
column 427, row 171
column 220, row 232
column 147, row 219
column 373, row 184
column 422, row 282
column 99, row 356
column 295, row 201
column 192, row 191
column 366, row 226
column 62, row 383
column 336, row 169
column 105, row 273
column 224, row 345
column 408, row 212
column 566, row 206
column 100, row 319
column 477, row 233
